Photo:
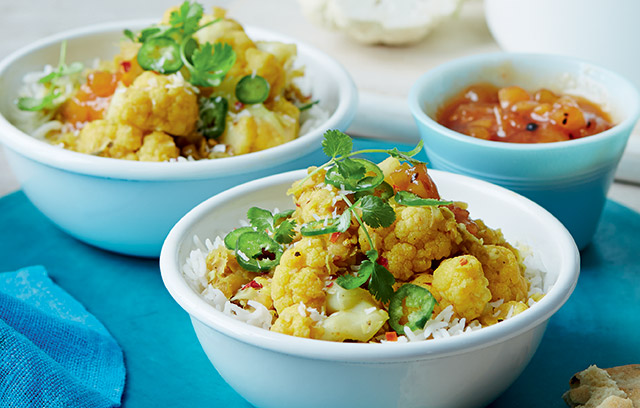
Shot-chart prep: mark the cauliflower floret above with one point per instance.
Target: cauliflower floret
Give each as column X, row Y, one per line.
column 257, row 128
column 460, row 282
column 158, row 146
column 418, row 236
column 474, row 243
column 295, row 320
column 506, row 279
column 285, row 54
column 258, row 289
column 224, row 272
column 156, row 102
column 305, row 267
column 295, row 281
column 318, row 204
column 109, row 139
column 355, row 315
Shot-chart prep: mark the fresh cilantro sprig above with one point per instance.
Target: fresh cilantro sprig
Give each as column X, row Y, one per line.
column 183, row 23
column 367, row 203
column 187, row 18
column 338, row 146
column 52, row 80
column 375, row 213
column 209, row 64
column 369, row 210
column 168, row 48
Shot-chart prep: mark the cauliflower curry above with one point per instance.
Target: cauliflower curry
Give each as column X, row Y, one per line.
column 194, row 86
column 369, row 253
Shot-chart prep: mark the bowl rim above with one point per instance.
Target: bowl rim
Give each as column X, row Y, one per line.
column 200, row 310
column 478, row 62
column 57, row 157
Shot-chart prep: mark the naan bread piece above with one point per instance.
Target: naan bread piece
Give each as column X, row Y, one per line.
column 616, row 387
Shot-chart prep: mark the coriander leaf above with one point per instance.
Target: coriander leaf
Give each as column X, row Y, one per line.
column 203, row 57
column 62, row 70
column 336, row 143
column 150, row 32
column 308, row 105
column 344, row 221
column 48, row 78
column 351, row 169
column 35, row 104
column 129, row 34
column 408, row 156
column 284, row 233
column 320, row 227
column 187, row 17
column 210, row 64
column 282, row 215
column 260, row 219
column 372, row 254
column 409, row 199
column 351, row 174
column 381, row 284
column 376, row 212
column 349, row 281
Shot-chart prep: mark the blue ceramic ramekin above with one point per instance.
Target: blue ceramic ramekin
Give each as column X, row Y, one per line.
column 570, row 179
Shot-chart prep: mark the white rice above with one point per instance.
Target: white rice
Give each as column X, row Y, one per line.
column 195, row 273
column 442, row 326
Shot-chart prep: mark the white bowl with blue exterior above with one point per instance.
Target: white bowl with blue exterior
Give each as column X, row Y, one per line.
column 127, row 206
column 570, row 179
column 273, row 370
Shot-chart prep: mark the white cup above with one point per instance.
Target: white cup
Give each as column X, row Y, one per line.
column 605, row 32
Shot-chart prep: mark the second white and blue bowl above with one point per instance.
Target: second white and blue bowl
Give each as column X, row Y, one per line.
column 130, row 206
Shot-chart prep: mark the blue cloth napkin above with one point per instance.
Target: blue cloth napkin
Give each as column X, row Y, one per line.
column 53, row 353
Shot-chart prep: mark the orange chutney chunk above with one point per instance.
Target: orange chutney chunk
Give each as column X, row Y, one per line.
column 512, row 114
column 92, row 99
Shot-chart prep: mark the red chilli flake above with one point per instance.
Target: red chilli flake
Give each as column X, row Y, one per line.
column 383, row 261
column 334, row 237
column 126, row 65
column 252, row 284
column 391, row 336
column 463, row 262
column 239, row 105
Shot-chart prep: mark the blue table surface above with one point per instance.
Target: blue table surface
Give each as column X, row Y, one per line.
column 600, row 324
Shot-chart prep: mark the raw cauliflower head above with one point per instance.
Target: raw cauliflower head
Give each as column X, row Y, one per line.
column 390, row 22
